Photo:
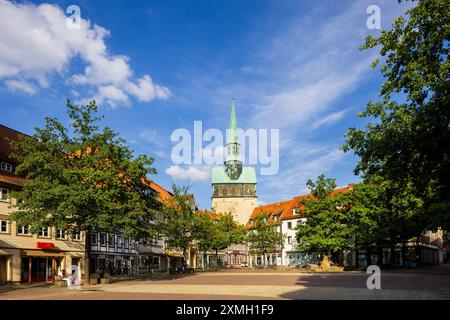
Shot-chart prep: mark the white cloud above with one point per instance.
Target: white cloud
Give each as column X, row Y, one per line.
column 20, row 85
column 74, row 93
column 111, row 95
column 146, row 90
column 191, row 173
column 35, row 44
column 329, row 119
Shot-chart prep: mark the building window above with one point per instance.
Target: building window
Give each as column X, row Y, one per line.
column 289, row 240
column 93, row 239
column 6, row 166
column 155, row 263
column 76, row 236
column 103, row 239
column 4, row 226
column 126, row 242
column 290, row 225
column 111, row 240
column 119, row 242
column 4, row 194
column 132, row 247
column 60, row 234
column 22, row 230
column 43, row 233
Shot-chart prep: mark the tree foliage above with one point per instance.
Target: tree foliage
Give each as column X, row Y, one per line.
column 179, row 222
column 263, row 236
column 218, row 232
column 328, row 228
column 409, row 141
column 82, row 178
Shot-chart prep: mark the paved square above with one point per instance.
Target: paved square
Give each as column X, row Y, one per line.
column 428, row 283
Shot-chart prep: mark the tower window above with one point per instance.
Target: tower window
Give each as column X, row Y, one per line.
column 6, row 166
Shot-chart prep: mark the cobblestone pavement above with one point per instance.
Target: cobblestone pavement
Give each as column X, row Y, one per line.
column 428, row 283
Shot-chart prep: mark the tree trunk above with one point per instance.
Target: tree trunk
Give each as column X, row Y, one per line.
column 418, row 252
column 87, row 257
column 380, row 254
column 217, row 260
column 403, row 254
column 168, row 264
column 392, row 264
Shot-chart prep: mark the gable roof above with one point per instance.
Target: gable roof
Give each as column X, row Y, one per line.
column 7, row 134
column 285, row 209
column 163, row 194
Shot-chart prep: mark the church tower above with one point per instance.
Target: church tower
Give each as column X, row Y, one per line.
column 234, row 185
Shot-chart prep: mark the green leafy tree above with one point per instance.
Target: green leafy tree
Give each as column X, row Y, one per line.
column 264, row 237
column 226, row 233
column 82, row 179
column 218, row 231
column 409, row 141
column 179, row 222
column 206, row 231
column 383, row 213
column 327, row 229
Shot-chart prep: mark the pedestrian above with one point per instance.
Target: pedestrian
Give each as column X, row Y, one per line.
column 69, row 282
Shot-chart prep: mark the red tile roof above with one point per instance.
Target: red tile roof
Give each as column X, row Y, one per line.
column 211, row 214
column 285, row 209
column 11, row 179
column 7, row 134
column 162, row 193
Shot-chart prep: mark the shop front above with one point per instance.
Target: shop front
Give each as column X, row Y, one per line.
column 113, row 264
column 40, row 265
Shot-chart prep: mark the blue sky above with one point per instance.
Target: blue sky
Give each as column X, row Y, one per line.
column 155, row 66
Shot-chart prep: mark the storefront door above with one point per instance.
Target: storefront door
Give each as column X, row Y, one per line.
column 41, row 269
column 3, row 263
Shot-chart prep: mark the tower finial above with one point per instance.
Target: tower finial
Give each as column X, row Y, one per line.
column 233, row 119
column 232, row 132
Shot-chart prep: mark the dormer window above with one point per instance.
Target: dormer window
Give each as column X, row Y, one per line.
column 6, row 166
column 4, row 194
column 295, row 210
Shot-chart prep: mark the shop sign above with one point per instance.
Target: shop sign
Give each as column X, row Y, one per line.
column 45, row 245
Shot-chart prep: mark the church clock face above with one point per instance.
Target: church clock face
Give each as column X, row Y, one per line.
column 234, row 171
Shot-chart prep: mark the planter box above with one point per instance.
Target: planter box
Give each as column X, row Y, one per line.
column 60, row 283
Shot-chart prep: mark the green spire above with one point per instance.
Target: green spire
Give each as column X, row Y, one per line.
column 233, row 120
column 232, row 136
